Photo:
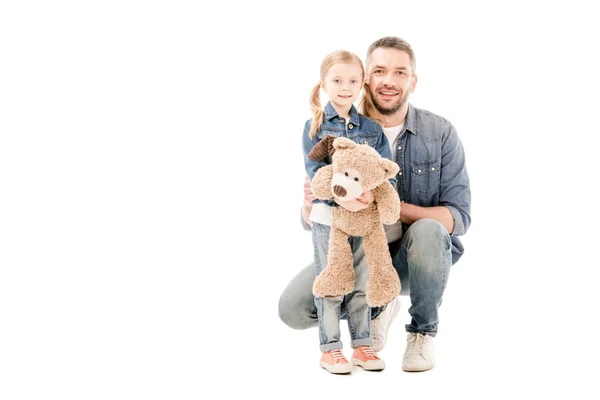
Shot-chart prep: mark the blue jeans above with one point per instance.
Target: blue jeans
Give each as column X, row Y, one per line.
column 422, row 258
column 354, row 304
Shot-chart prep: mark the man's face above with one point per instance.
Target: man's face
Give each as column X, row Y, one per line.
column 391, row 79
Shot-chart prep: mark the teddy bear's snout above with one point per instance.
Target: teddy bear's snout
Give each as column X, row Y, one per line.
column 339, row 191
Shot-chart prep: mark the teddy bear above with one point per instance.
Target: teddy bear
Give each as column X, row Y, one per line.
column 357, row 168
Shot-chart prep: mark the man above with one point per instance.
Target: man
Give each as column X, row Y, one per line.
column 433, row 187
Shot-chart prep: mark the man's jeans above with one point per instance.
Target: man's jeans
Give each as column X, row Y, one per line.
column 354, row 303
column 423, row 263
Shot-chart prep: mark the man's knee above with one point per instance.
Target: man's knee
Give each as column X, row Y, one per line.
column 429, row 233
column 297, row 304
column 285, row 310
column 429, row 247
column 293, row 313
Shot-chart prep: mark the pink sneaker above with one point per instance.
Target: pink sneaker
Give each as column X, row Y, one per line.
column 335, row 362
column 364, row 357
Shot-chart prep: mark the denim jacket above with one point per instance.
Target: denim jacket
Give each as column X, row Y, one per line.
column 360, row 130
column 433, row 171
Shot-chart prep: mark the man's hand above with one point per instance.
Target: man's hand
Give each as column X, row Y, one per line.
column 409, row 214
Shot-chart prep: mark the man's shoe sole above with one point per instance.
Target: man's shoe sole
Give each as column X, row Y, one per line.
column 417, row 369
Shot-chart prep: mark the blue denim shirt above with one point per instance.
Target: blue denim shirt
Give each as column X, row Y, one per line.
column 433, row 171
column 360, row 129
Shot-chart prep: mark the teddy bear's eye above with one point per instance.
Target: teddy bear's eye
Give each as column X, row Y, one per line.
column 346, row 173
column 356, row 179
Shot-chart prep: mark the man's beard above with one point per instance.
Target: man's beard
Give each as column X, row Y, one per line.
column 389, row 111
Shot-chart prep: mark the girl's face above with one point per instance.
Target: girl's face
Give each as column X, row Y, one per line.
column 343, row 83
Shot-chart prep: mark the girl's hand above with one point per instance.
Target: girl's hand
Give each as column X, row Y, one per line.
column 360, row 203
column 308, row 202
column 308, row 194
column 366, row 198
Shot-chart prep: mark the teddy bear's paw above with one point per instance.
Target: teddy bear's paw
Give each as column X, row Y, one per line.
column 331, row 283
column 382, row 291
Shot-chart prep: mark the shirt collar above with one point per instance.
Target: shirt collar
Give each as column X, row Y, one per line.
column 410, row 123
column 331, row 113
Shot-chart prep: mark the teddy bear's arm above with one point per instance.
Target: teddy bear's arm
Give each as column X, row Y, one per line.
column 388, row 203
column 321, row 183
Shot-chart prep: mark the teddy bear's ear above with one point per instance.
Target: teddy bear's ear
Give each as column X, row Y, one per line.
column 390, row 167
column 322, row 148
column 343, row 143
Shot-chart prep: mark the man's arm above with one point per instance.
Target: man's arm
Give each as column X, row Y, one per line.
column 455, row 191
column 455, row 194
column 410, row 213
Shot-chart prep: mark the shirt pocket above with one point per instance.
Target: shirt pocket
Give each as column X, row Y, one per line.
column 324, row 132
column 426, row 176
column 365, row 138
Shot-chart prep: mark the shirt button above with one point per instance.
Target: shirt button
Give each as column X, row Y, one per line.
column 350, row 126
column 399, row 147
column 400, row 173
column 433, row 169
column 419, row 171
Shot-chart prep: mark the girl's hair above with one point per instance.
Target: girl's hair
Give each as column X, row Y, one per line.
column 367, row 108
column 337, row 57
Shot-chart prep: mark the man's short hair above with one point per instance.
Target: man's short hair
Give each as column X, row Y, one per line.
column 392, row 42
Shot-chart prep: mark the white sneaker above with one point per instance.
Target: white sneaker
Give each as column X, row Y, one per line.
column 381, row 324
column 419, row 354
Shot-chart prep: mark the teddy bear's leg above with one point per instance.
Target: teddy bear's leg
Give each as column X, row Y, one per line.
column 383, row 284
column 337, row 278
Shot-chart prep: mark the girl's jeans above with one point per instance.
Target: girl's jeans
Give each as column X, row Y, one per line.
column 354, row 303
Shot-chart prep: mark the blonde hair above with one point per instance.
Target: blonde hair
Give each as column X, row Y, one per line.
column 337, row 57
column 367, row 108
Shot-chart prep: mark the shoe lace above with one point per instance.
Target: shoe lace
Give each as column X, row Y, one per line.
column 368, row 352
column 336, row 354
column 419, row 343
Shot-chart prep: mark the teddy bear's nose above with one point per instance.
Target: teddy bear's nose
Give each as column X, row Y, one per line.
column 339, row 191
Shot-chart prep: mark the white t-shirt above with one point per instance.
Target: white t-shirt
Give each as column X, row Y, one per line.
column 393, row 232
column 392, row 134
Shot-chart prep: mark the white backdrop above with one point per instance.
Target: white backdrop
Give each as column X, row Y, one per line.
column 151, row 180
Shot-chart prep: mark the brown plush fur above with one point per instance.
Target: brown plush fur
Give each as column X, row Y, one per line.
column 322, row 148
column 372, row 174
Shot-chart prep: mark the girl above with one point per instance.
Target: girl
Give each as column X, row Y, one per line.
column 342, row 79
